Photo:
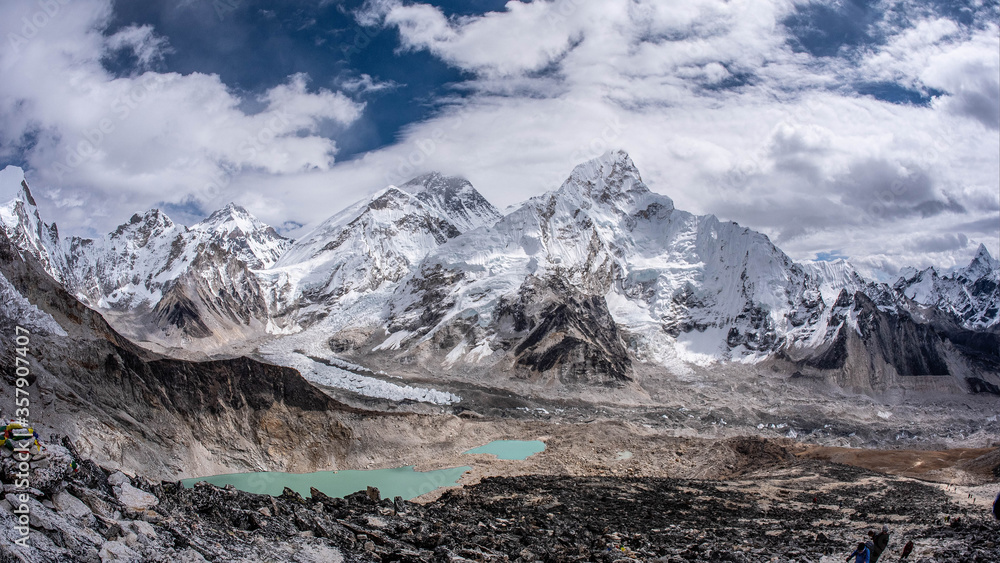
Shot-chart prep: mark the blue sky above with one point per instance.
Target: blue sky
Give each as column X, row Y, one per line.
column 838, row 128
column 255, row 45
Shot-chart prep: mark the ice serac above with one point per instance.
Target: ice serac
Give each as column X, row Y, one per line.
column 370, row 246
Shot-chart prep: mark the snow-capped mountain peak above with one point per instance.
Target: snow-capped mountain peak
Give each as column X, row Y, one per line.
column 371, row 245
column 152, row 224
column 970, row 294
column 432, row 181
column 611, row 178
column 239, row 232
column 579, row 282
column 982, row 264
column 230, row 217
column 23, row 225
column 455, row 198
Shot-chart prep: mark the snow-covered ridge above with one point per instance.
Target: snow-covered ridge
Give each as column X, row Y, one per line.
column 24, row 227
column 607, row 234
column 132, row 267
column 431, row 264
column 971, row 294
column 371, row 245
column 834, row 276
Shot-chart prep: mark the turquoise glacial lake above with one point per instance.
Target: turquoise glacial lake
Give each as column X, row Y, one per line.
column 399, row 481
column 510, row 449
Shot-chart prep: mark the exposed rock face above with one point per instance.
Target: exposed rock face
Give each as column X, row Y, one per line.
column 872, row 343
column 212, row 298
column 152, row 414
column 555, row 330
column 910, row 348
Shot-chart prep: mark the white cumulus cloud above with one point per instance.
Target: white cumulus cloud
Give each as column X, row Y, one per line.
column 131, row 141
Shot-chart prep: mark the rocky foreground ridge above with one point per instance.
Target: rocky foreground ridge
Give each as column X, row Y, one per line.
column 786, row 510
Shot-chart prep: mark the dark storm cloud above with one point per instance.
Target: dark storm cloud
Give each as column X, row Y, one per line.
column 889, row 190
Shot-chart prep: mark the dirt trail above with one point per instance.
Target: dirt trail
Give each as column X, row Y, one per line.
column 941, row 466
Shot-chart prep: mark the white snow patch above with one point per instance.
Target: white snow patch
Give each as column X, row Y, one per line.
column 702, row 348
column 884, row 415
column 394, row 341
column 455, row 354
column 482, row 350
column 277, row 330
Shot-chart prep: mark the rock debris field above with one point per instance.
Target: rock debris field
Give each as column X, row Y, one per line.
column 795, row 510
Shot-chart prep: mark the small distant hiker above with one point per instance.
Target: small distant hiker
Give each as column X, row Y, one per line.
column 881, row 541
column 907, row 550
column 861, row 554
